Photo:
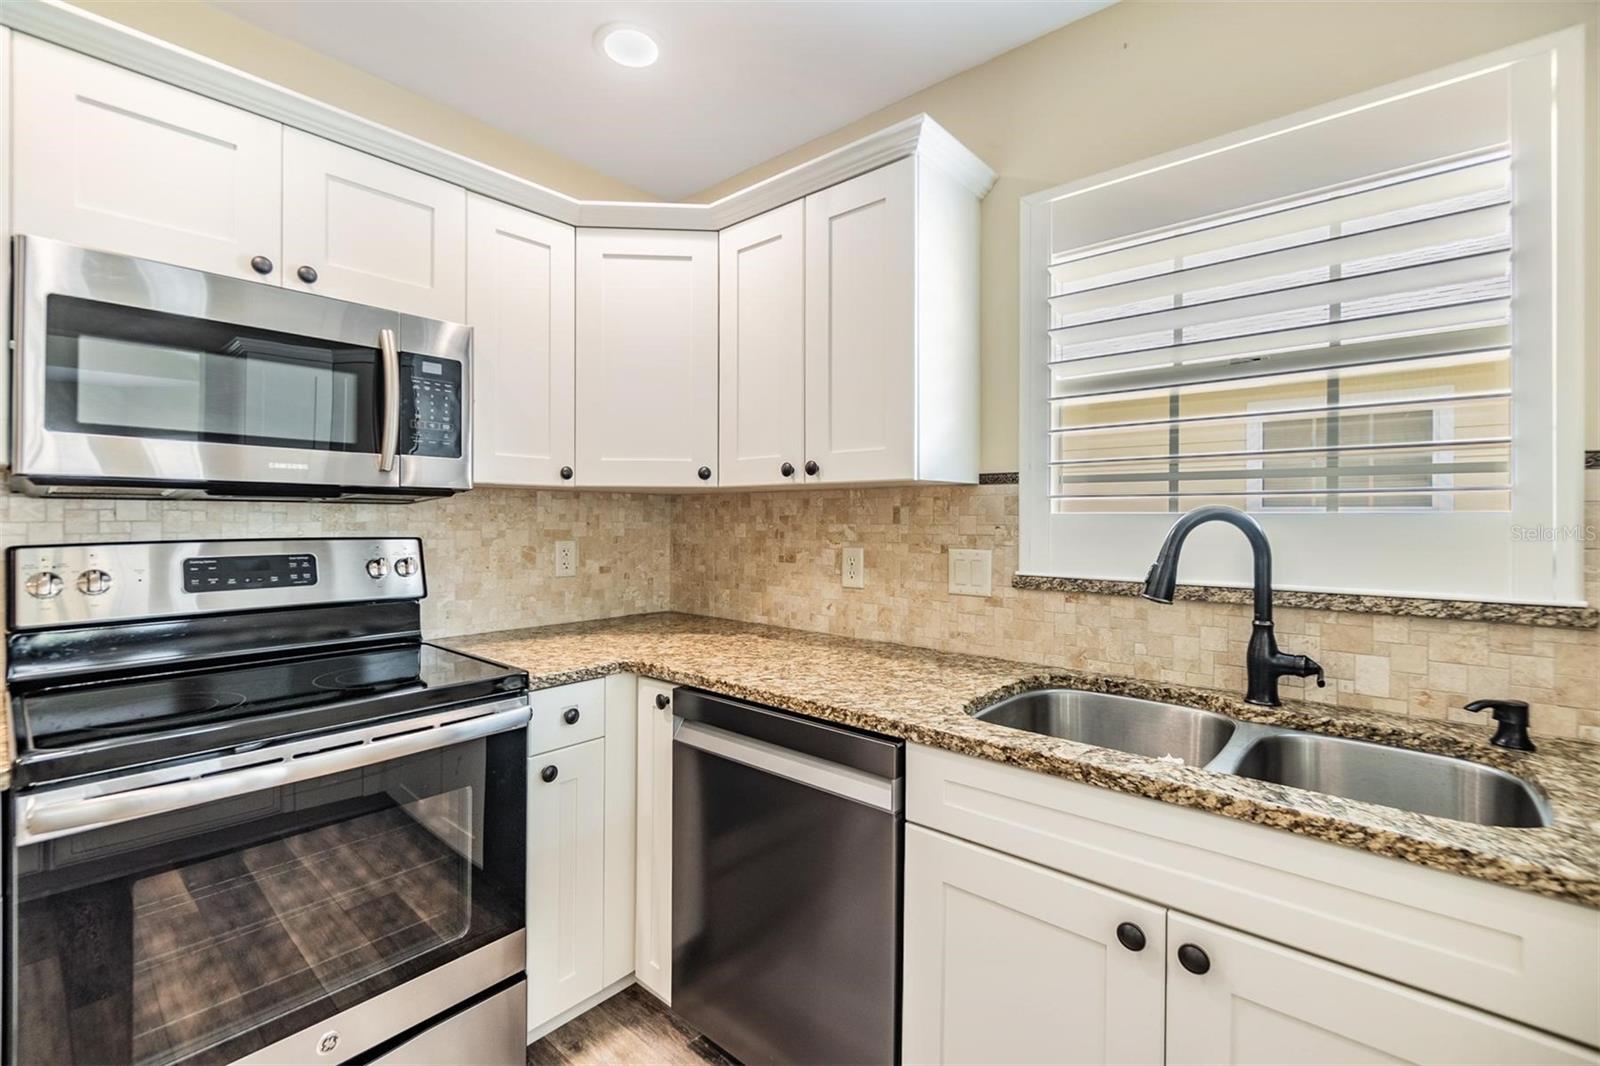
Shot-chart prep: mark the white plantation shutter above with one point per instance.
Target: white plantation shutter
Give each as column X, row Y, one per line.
column 1345, row 322
column 1389, row 297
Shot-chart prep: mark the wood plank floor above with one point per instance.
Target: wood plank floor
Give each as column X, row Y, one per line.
column 632, row 1028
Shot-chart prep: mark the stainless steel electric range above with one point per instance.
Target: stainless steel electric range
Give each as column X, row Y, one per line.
column 254, row 816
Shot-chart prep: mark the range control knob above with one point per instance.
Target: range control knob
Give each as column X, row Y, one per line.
column 94, row 582
column 406, row 565
column 44, row 585
column 376, row 568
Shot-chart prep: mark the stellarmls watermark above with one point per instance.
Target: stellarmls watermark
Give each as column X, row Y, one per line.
column 1582, row 532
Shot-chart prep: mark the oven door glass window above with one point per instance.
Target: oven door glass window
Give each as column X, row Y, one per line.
column 206, row 934
column 131, row 372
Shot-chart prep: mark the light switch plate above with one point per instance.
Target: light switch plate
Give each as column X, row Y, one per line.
column 969, row 571
column 566, row 558
column 853, row 571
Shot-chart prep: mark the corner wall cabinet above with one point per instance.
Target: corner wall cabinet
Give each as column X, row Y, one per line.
column 818, row 327
column 520, row 292
column 1247, row 944
column 647, row 358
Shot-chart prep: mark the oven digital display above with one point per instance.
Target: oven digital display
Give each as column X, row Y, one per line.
column 230, row 573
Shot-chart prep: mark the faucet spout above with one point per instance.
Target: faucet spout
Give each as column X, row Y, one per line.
column 1265, row 663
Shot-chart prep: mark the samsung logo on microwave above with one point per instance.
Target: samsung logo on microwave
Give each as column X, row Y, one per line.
column 288, row 466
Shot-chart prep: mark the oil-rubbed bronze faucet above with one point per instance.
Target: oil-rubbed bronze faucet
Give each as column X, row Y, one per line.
column 1264, row 662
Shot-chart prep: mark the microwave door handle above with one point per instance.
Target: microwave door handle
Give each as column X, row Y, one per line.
column 391, row 400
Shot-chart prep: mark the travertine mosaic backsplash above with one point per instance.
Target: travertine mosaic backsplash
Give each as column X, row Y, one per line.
column 488, row 551
column 774, row 557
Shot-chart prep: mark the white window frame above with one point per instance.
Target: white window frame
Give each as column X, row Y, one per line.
column 1519, row 556
column 1444, row 428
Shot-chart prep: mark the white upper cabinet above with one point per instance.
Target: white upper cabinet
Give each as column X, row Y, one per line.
column 108, row 159
column 891, row 344
column 860, row 337
column 520, row 277
column 647, row 358
column 762, row 409
column 369, row 231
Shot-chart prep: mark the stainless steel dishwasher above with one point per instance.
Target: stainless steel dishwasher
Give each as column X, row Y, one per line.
column 786, row 848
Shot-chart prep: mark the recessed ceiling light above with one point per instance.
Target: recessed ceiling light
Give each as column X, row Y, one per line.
column 628, row 45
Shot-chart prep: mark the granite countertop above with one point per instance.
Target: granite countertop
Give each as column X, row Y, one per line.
column 926, row 697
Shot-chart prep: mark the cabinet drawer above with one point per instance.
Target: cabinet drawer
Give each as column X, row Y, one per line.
column 1509, row 952
column 549, row 728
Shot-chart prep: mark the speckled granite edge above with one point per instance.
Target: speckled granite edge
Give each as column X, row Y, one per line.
column 1525, row 614
column 926, row 697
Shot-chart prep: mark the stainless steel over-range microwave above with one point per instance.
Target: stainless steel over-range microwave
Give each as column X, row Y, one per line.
column 137, row 378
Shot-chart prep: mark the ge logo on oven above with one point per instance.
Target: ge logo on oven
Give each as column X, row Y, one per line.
column 327, row 1042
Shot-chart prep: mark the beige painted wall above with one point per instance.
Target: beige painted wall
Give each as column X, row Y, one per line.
column 220, row 36
column 1146, row 77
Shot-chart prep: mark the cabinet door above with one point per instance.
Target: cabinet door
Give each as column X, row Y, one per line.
column 520, row 277
column 566, row 877
column 1261, row 1003
column 762, row 351
column 371, row 231
column 653, row 866
column 109, row 159
column 1008, row 962
column 860, row 337
column 647, row 358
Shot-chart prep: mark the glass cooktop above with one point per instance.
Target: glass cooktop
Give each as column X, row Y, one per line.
column 84, row 729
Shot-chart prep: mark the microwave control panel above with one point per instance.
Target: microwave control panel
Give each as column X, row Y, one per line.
column 430, row 406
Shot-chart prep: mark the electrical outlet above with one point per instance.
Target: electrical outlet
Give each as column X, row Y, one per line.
column 566, row 558
column 853, row 572
column 970, row 571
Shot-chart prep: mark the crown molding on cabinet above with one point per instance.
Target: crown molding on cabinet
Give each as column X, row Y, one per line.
column 101, row 38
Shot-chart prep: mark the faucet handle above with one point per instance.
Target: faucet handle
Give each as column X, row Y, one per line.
column 1308, row 666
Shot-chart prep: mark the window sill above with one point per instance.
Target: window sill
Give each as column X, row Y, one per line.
column 1526, row 614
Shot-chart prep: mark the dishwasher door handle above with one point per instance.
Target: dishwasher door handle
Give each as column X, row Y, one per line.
column 844, row 781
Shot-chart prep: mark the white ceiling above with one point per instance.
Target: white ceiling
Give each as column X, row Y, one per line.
column 737, row 83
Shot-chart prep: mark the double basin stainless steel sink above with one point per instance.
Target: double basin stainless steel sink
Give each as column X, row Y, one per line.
column 1415, row 781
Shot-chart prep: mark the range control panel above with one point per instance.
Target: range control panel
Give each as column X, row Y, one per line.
column 430, row 406
column 87, row 584
column 213, row 573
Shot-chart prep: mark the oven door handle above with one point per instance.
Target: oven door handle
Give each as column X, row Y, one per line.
column 391, row 400
column 48, row 816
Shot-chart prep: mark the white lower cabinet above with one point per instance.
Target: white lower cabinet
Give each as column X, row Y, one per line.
column 1016, row 885
column 1008, row 962
column 566, row 877
column 1262, row 1003
column 580, row 845
column 653, row 866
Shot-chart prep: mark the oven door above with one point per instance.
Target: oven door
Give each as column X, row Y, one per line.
column 302, row 903
column 138, row 373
